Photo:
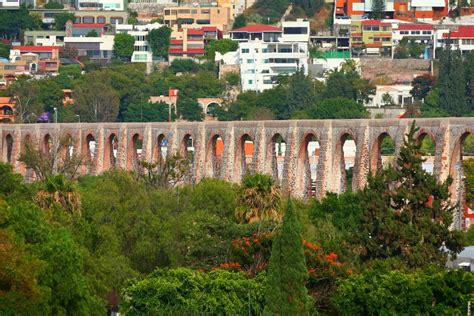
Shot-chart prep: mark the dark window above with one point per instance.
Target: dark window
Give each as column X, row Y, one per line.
column 295, row 30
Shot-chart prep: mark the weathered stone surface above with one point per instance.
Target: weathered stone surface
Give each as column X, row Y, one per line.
column 447, row 133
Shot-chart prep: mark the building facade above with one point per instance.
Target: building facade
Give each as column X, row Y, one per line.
column 202, row 15
column 372, row 37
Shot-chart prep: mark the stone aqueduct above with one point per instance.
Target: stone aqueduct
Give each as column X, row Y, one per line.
column 447, row 133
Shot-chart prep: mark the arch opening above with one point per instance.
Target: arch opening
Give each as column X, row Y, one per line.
column 112, row 151
column 137, row 150
column 428, row 150
column 217, row 150
column 212, row 108
column 347, row 150
column 311, row 150
column 383, row 153
column 91, row 146
column 187, row 148
column 162, row 148
column 246, row 151
column 278, row 154
column 9, row 142
column 47, row 144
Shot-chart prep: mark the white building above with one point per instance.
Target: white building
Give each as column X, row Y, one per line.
column 141, row 49
column 421, row 33
column 99, row 49
column 461, row 38
column 400, row 96
column 266, row 52
column 9, row 4
column 106, row 5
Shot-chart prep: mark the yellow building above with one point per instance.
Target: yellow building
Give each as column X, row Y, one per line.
column 221, row 16
column 374, row 37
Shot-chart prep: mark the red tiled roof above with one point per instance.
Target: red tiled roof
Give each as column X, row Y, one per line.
column 195, row 32
column 464, row 31
column 96, row 25
column 415, row 27
column 258, row 28
column 210, row 28
column 375, row 23
column 188, row 51
column 31, row 48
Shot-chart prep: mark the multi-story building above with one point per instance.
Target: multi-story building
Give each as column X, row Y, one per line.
column 262, row 32
column 46, row 57
column 202, row 15
column 107, row 5
column 189, row 41
column 421, row 33
column 461, row 38
column 98, row 49
column 141, row 49
column 397, row 9
column 44, row 38
column 373, row 37
column 266, row 52
column 111, row 17
column 9, row 4
column 7, row 107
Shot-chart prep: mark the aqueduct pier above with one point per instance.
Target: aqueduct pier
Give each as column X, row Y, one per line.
column 115, row 145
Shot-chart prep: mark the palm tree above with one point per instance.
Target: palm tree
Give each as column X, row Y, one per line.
column 57, row 190
column 259, row 198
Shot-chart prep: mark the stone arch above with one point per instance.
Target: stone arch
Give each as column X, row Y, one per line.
column 344, row 161
column 29, row 173
column 67, row 146
column 214, row 155
column 308, row 159
column 276, row 153
column 111, row 152
column 47, row 144
column 135, row 151
column 383, row 149
column 186, row 148
column 428, row 148
column 161, row 150
column 244, row 155
column 208, row 109
column 90, row 152
column 8, row 148
column 456, row 171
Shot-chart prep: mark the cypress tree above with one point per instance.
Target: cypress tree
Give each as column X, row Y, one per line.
column 452, row 83
column 286, row 293
column 378, row 9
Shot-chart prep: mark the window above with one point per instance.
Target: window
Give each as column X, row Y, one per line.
column 245, row 50
column 386, row 39
column 101, row 19
column 415, row 32
column 116, row 20
column 250, row 81
column 88, row 19
column 264, row 50
column 249, row 61
column 265, row 71
column 267, row 81
column 167, row 12
column 265, row 61
column 404, row 32
column 386, row 28
column 376, row 39
column 295, row 30
column 251, row 71
column 427, row 32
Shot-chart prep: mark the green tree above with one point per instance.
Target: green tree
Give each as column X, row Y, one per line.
column 148, row 112
column 189, row 109
column 93, row 33
column 123, row 45
column 376, row 292
column 285, row 292
column 422, row 86
column 54, row 5
column 310, row 7
column 184, row 291
column 300, row 92
column 378, row 9
column 239, row 21
column 28, row 106
column 408, row 221
column 95, row 99
column 452, row 84
column 61, row 19
column 14, row 22
column 184, row 65
column 334, row 108
column 160, row 41
column 222, row 46
column 5, row 50
column 50, row 94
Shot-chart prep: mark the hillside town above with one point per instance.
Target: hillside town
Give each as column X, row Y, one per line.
column 236, row 157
